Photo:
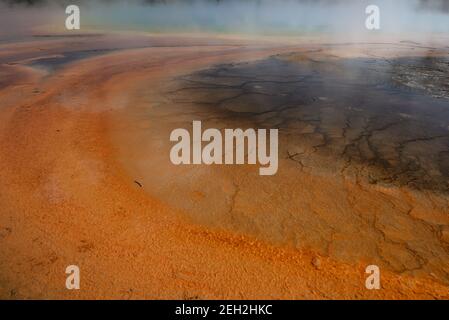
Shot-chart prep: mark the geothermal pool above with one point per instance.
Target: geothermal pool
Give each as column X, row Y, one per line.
column 362, row 179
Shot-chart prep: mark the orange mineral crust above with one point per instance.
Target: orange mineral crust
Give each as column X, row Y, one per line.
column 87, row 180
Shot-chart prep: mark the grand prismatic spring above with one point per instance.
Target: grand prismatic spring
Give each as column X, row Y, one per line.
column 362, row 179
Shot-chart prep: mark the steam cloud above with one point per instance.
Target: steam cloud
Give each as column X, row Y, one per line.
column 345, row 18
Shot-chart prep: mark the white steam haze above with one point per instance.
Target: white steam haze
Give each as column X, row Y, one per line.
column 260, row 17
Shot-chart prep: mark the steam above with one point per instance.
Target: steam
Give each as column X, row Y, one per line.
column 17, row 21
column 260, row 17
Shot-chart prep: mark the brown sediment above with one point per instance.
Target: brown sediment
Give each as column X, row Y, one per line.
column 75, row 141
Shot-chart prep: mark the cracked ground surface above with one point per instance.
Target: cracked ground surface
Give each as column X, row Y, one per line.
column 359, row 117
column 364, row 148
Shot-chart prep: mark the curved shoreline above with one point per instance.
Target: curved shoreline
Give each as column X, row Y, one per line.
column 67, row 200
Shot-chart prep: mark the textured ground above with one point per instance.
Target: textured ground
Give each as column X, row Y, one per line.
column 360, row 181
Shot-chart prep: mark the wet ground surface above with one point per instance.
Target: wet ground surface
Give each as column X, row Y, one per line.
column 378, row 122
column 382, row 120
column 363, row 153
column 54, row 63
